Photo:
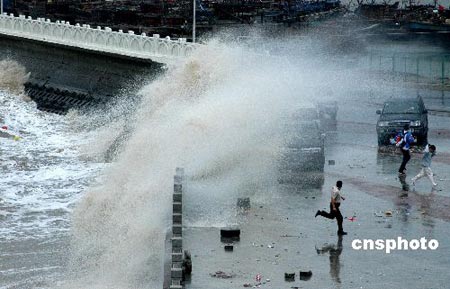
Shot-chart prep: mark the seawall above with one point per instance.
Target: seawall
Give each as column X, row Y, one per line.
column 64, row 77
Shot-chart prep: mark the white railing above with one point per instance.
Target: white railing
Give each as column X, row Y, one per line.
column 97, row 39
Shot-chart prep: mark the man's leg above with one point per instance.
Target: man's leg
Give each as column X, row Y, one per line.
column 408, row 157
column 339, row 220
column 404, row 161
column 330, row 215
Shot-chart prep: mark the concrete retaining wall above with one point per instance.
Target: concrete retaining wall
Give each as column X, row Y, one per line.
column 66, row 77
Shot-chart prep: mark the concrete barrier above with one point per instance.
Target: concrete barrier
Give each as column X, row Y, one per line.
column 177, row 255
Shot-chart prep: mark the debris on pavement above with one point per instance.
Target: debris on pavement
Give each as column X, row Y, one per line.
column 352, row 219
column 258, row 278
column 221, row 274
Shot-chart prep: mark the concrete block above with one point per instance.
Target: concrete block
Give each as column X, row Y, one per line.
column 305, row 275
column 177, row 229
column 228, row 248
column 289, row 277
column 178, row 188
column 177, row 250
column 176, row 283
column 177, row 218
column 177, row 197
column 178, row 265
column 177, row 179
column 177, row 257
column 179, row 171
column 243, row 203
column 231, row 232
column 176, row 273
column 177, row 242
column 177, row 207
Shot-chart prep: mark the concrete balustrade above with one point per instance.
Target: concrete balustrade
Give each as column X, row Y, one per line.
column 104, row 40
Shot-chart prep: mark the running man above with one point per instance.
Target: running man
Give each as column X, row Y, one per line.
column 335, row 203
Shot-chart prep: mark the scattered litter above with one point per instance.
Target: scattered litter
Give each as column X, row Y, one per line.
column 291, row 236
column 221, row 274
column 258, row 278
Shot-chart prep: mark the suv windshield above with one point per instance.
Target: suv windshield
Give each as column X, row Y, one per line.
column 399, row 107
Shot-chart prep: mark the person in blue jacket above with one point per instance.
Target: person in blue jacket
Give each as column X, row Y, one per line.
column 405, row 140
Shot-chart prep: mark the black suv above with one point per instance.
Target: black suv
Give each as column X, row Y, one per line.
column 398, row 112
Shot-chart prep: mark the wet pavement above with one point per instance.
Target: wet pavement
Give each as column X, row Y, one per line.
column 279, row 234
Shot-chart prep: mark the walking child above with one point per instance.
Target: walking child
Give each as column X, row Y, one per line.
column 428, row 153
column 335, row 203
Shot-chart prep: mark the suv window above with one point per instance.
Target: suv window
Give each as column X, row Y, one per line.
column 399, row 107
